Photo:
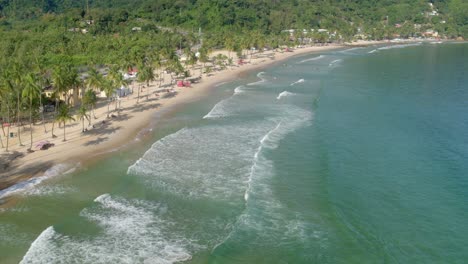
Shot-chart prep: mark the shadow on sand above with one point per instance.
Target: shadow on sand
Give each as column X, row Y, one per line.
column 96, row 141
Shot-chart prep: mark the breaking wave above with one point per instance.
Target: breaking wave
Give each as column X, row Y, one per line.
column 26, row 186
column 133, row 231
column 284, row 94
column 334, row 63
column 399, row 46
column 297, row 82
column 260, row 75
column 312, row 59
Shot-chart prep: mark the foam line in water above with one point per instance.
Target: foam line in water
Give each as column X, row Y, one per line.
column 219, row 84
column 262, row 79
column 264, row 216
column 312, row 59
column 284, row 94
column 132, row 231
column 193, row 163
column 49, row 190
column 351, row 49
column 11, row 235
column 335, row 62
column 297, row 82
column 54, row 171
column 228, row 106
column 400, row 46
column 255, row 160
column 219, row 110
column 239, row 90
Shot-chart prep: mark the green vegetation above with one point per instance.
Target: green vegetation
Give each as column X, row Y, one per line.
column 81, row 47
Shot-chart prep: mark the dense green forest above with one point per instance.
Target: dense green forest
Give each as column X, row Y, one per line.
column 266, row 16
column 65, row 45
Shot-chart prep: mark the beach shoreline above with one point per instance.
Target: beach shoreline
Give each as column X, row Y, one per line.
column 119, row 132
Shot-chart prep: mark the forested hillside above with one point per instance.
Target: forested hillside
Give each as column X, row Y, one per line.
column 73, row 44
column 348, row 17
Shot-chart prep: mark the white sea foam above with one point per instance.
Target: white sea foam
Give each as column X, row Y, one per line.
column 48, row 190
column 284, row 94
column 264, row 215
column 221, row 83
column 312, row 59
column 238, row 90
column 399, row 46
column 260, row 75
column 54, row 171
column 351, row 49
column 228, row 106
column 297, row 82
column 221, row 109
column 134, row 231
column 255, row 160
column 193, row 163
column 335, row 62
column 373, row 51
column 11, row 236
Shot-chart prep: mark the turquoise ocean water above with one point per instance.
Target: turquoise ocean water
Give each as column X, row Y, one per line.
column 351, row 156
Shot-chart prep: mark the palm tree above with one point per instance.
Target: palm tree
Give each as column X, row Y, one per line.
column 157, row 64
column 94, row 83
column 6, row 91
column 140, row 79
column 146, row 74
column 63, row 117
column 117, row 78
column 109, row 89
column 42, row 81
column 203, row 58
column 230, row 46
column 82, row 115
column 59, row 80
column 31, row 91
column 74, row 81
column 89, row 101
column 16, row 76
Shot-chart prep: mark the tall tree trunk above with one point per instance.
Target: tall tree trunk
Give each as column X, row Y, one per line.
column 138, row 95
column 108, row 107
column 42, row 113
column 8, row 138
column 18, row 120
column 147, row 90
column 64, row 139
column 160, row 77
column 8, row 128
column 30, row 124
column 55, row 116
column 82, row 125
column 90, row 117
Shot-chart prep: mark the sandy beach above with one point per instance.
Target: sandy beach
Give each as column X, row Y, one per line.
column 119, row 131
